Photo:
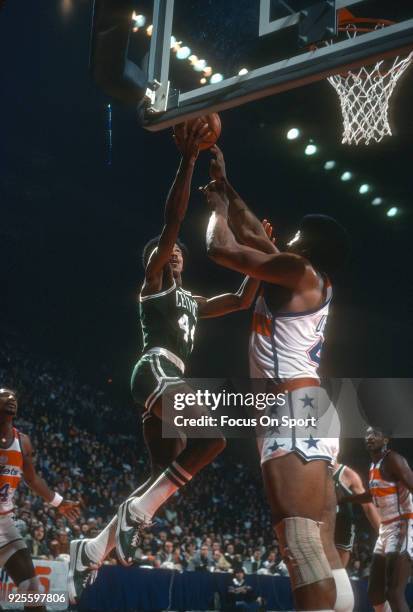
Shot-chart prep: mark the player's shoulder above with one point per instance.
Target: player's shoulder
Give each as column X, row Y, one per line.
column 351, row 475
column 393, row 458
column 24, row 439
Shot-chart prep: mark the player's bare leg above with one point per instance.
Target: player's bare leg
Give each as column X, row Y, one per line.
column 344, row 592
column 377, row 584
column 88, row 554
column 344, row 556
column 136, row 513
column 21, row 570
column 398, row 571
column 297, row 493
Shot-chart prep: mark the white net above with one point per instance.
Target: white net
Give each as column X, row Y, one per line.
column 364, row 98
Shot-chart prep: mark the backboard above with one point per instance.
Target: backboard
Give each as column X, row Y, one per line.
column 236, row 51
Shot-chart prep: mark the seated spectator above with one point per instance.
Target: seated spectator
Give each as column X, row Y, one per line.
column 37, row 544
column 219, row 563
column 201, row 561
column 274, row 565
column 254, row 563
column 165, row 556
column 241, row 595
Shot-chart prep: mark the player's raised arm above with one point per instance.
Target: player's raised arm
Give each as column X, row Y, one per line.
column 176, row 204
column 285, row 269
column 228, row 302
column 36, row 483
column 246, row 227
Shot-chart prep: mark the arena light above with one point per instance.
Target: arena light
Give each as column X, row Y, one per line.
column 377, row 201
column 364, row 188
column 200, row 65
column 243, row 71
column 138, row 21
column 346, row 176
column 330, row 164
column 310, row 149
column 183, row 53
column 293, row 134
column 216, row 78
column 67, row 7
column 392, row 212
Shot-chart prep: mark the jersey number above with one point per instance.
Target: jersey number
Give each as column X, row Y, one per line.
column 189, row 332
column 4, row 493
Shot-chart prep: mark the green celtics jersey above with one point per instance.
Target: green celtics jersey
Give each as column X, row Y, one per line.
column 168, row 321
column 346, row 510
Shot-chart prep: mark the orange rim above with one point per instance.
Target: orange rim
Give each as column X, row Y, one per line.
column 367, row 24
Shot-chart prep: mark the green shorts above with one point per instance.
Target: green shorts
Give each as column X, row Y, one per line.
column 151, row 377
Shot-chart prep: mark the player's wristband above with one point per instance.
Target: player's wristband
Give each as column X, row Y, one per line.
column 57, row 500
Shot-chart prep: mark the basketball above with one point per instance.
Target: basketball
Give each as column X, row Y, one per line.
column 214, row 123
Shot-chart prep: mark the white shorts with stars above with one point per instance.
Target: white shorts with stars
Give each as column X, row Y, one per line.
column 315, row 437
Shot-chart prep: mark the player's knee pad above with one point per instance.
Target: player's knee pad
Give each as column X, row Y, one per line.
column 30, row 585
column 345, row 595
column 302, row 551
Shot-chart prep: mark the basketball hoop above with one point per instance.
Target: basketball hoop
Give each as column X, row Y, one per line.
column 365, row 93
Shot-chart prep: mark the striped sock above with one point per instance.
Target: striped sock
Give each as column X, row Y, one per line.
column 172, row 479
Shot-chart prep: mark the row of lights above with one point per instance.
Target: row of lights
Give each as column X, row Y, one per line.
column 183, row 52
column 346, row 176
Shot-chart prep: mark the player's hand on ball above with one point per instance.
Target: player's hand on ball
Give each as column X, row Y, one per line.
column 217, row 170
column 70, row 510
column 193, row 138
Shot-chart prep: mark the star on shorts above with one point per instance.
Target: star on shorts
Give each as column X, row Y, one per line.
column 311, row 442
column 307, row 401
column 274, row 447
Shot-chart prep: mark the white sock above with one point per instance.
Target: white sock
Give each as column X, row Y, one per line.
column 172, row 479
column 384, row 607
column 99, row 547
column 345, row 595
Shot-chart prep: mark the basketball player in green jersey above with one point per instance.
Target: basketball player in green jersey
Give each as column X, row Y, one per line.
column 348, row 482
column 168, row 315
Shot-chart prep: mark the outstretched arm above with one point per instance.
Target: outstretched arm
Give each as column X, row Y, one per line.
column 246, row 227
column 36, row 483
column 176, row 207
column 284, row 269
column 228, row 302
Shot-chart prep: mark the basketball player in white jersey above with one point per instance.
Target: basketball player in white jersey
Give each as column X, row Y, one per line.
column 16, row 462
column 390, row 489
column 285, row 347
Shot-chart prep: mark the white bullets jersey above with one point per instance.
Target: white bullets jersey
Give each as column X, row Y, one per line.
column 287, row 346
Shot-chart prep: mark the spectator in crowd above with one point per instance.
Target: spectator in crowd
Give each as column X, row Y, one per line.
column 241, row 596
column 254, row 563
column 274, row 565
column 37, row 544
column 219, row 563
column 202, row 560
